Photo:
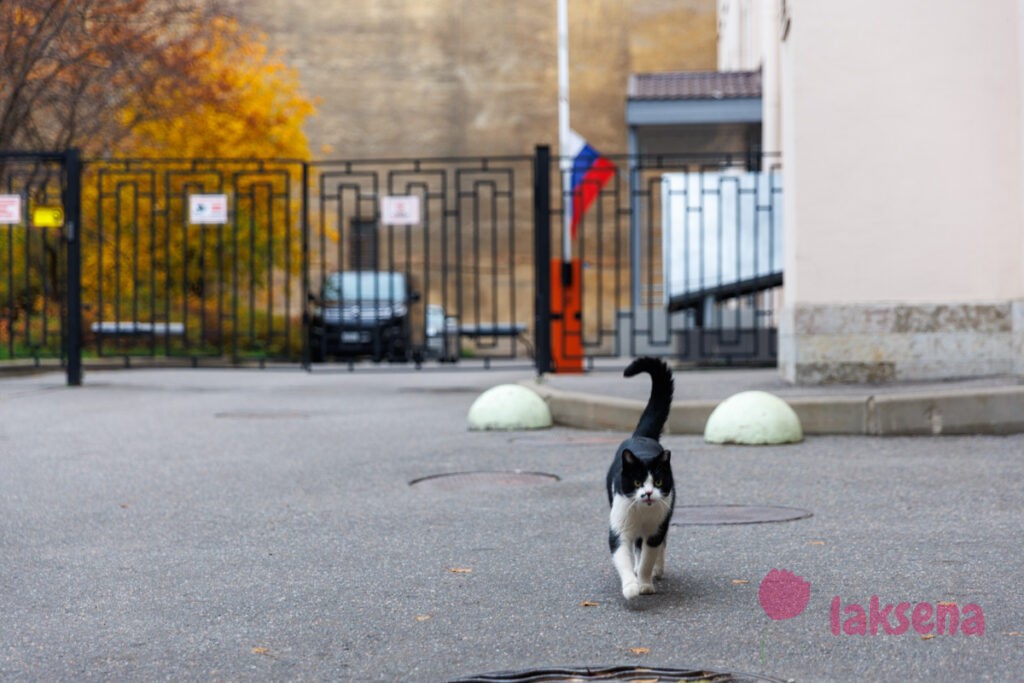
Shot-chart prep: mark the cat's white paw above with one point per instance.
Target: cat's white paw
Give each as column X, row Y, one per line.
column 646, row 588
column 630, row 590
column 659, row 572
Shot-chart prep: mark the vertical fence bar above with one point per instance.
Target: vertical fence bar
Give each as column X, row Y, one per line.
column 306, row 351
column 542, row 257
column 72, row 210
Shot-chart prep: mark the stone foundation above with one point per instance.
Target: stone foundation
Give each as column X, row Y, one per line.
column 822, row 344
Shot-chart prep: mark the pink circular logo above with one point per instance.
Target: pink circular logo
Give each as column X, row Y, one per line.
column 783, row 594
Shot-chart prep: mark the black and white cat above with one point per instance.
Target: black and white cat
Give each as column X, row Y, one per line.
column 640, row 488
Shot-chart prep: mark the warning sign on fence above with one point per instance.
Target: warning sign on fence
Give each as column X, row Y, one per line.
column 10, row 209
column 208, row 209
column 400, row 210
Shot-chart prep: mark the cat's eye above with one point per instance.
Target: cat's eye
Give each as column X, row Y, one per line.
column 657, row 483
column 637, row 483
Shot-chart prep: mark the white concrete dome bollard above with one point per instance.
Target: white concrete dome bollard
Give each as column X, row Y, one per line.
column 753, row 417
column 509, row 407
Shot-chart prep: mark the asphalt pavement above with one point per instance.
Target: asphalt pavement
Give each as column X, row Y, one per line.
column 243, row 525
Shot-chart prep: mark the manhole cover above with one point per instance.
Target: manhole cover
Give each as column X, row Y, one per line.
column 263, row 414
column 461, row 481
column 618, row 673
column 686, row 515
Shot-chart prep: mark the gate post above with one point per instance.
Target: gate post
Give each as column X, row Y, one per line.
column 542, row 258
column 73, row 223
column 306, row 352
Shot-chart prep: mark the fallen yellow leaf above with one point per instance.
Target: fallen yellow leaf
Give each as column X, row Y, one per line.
column 816, row 543
column 928, row 636
column 422, row 617
column 639, row 650
column 948, row 604
column 589, row 603
column 460, row 570
column 261, row 650
column 740, row 581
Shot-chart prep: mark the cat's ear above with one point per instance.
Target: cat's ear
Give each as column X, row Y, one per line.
column 665, row 456
column 628, row 458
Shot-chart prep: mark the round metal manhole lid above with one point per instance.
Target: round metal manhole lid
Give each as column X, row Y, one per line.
column 461, row 481
column 635, row 674
column 696, row 515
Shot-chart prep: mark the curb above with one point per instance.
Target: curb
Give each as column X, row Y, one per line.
column 996, row 410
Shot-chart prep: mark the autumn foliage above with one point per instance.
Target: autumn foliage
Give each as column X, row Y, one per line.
column 156, row 80
column 237, row 101
column 143, row 77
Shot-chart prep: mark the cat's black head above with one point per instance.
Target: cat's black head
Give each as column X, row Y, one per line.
column 642, row 474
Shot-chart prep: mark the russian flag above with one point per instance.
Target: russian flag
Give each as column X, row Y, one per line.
column 590, row 172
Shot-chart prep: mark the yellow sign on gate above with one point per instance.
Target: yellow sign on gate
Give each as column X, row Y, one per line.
column 47, row 216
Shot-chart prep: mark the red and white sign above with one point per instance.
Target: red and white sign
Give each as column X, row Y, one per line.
column 400, row 210
column 208, row 209
column 10, row 209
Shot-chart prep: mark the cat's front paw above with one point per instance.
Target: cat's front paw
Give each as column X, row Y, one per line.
column 630, row 589
column 646, row 588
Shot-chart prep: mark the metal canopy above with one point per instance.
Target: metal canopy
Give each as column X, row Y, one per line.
column 693, row 111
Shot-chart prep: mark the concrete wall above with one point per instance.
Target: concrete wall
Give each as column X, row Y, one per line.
column 464, row 77
column 901, row 128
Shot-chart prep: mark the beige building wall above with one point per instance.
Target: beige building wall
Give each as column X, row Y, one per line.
column 463, row 77
column 904, row 175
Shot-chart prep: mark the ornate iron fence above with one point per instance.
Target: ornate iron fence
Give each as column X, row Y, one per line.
column 239, row 261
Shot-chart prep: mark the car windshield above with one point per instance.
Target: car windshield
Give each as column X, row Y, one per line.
column 356, row 286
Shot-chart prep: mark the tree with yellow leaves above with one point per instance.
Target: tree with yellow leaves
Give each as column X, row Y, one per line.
column 237, row 130
column 133, row 77
column 236, row 101
column 159, row 79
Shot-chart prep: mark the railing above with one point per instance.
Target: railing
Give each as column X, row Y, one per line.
column 224, row 261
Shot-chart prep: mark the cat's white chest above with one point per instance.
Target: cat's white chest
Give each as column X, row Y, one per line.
column 636, row 520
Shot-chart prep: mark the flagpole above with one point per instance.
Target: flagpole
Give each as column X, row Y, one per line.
column 565, row 163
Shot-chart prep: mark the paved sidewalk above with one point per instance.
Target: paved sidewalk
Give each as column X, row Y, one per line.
column 251, row 525
column 603, row 399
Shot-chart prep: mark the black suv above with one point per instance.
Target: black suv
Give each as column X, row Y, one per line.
column 362, row 313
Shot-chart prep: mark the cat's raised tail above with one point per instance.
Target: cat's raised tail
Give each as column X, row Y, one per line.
column 652, row 421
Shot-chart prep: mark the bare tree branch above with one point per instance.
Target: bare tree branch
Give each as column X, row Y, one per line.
column 70, row 67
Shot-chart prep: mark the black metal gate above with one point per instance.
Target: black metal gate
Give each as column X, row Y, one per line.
column 679, row 257
column 39, row 256
column 451, row 242
column 414, row 261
